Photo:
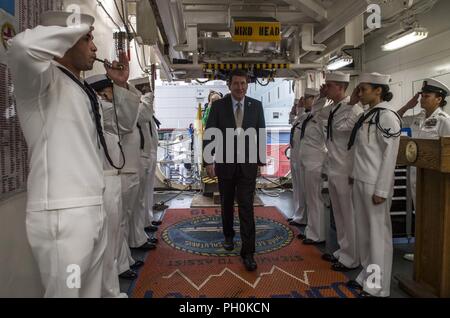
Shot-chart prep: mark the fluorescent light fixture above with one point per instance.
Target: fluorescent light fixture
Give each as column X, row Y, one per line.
column 405, row 39
column 339, row 63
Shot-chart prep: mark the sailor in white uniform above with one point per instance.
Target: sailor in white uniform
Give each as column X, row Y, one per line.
column 431, row 123
column 149, row 156
column 147, row 169
column 299, row 216
column 311, row 155
column 375, row 140
column 340, row 118
column 119, row 119
column 133, row 145
column 61, row 121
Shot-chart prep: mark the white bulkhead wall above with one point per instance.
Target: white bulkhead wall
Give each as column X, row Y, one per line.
column 429, row 58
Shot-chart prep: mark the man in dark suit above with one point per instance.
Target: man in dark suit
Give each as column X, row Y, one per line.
column 237, row 173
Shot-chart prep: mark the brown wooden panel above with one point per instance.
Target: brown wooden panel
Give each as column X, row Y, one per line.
column 445, row 268
column 429, row 230
column 445, row 155
column 429, row 153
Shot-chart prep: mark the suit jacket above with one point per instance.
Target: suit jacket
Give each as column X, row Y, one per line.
column 221, row 116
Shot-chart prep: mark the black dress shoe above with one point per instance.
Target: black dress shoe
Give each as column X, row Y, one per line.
column 329, row 258
column 228, row 244
column 301, row 236
column 136, row 265
column 151, row 228
column 353, row 284
column 156, row 223
column 364, row 294
column 339, row 267
column 129, row 274
column 249, row 263
column 311, row 242
column 153, row 240
column 296, row 224
column 146, row 246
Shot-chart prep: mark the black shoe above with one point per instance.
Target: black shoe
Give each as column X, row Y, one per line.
column 249, row 263
column 364, row 294
column 353, row 284
column 146, row 246
column 153, row 240
column 137, row 265
column 228, row 244
column 151, row 228
column 301, row 236
column 311, row 242
column 156, row 223
column 290, row 219
column 129, row 274
column 339, row 267
column 329, row 258
column 296, row 224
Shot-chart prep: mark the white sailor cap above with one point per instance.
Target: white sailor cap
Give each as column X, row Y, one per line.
column 311, row 92
column 435, row 86
column 337, row 77
column 375, row 78
column 99, row 82
column 64, row 19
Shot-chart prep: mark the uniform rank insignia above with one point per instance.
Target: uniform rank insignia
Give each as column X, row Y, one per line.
column 431, row 123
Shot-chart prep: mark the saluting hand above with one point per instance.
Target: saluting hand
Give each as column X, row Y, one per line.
column 301, row 103
column 354, row 99
column 323, row 90
column 119, row 76
column 294, row 110
column 413, row 102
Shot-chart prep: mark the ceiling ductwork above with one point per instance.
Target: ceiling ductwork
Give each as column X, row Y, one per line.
column 192, row 33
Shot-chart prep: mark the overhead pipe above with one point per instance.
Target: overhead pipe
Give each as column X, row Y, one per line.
column 308, row 39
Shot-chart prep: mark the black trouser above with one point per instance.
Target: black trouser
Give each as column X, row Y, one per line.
column 244, row 188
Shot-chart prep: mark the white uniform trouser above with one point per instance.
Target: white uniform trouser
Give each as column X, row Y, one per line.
column 150, row 187
column 124, row 259
column 112, row 202
column 68, row 246
column 315, row 229
column 136, row 235
column 297, row 173
column 374, row 230
column 344, row 218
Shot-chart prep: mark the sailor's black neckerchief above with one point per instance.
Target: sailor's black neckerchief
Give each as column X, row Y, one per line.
column 330, row 122
column 291, row 138
column 374, row 119
column 97, row 117
column 157, row 122
column 141, row 136
column 305, row 123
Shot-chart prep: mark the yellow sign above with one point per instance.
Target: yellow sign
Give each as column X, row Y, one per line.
column 256, row 31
